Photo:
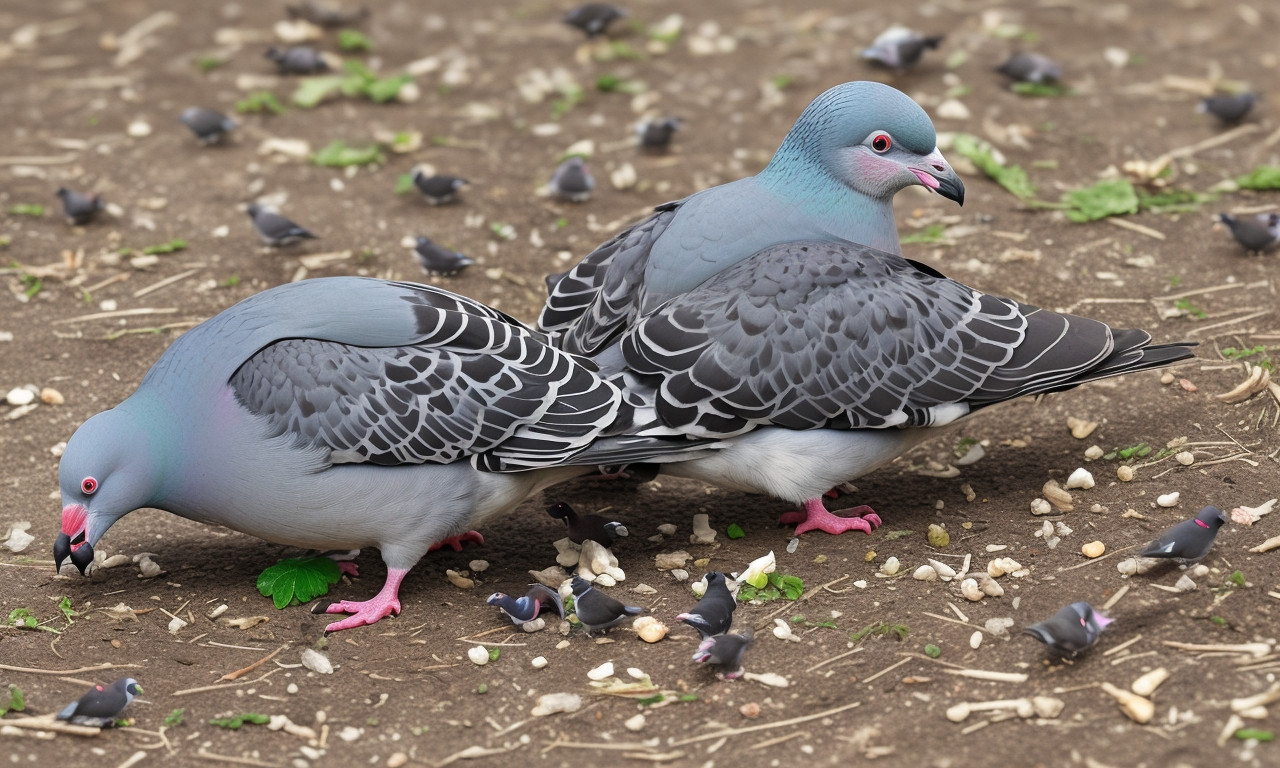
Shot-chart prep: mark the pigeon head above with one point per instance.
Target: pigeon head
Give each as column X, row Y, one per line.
column 869, row 137
column 129, row 687
column 1211, row 518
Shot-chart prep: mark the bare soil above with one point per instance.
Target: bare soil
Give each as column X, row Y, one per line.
column 405, row 685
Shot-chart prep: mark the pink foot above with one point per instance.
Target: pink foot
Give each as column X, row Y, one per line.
column 816, row 517
column 348, row 568
column 456, row 541
column 382, row 605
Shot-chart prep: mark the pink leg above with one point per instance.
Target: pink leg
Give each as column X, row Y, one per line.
column 370, row 611
column 816, row 517
column 456, row 541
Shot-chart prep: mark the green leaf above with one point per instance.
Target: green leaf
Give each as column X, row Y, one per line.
column 169, row 247
column 689, row 697
column 338, row 154
column 1237, row 578
column 1109, row 197
column 209, row 63
column 1262, row 177
column 792, row 587
column 14, row 701
column 353, row 40
column 313, row 90
column 174, row 718
column 1231, row 353
column 404, row 183
column 260, row 101
column 734, row 531
column 64, row 605
column 494, row 653
column 27, row 209
column 235, row 721
column 655, row 699
column 1255, row 733
column 298, row 579
column 387, row 88
column 1041, row 89
column 932, row 651
column 1012, row 177
column 482, row 689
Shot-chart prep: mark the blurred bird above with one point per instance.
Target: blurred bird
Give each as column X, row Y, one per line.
column 1030, row 68
column 900, row 48
column 80, row 208
column 597, row 611
column 656, row 132
column 594, row 18
column 208, row 125
column 275, row 230
column 713, row 614
column 1071, row 630
column 525, row 609
column 1187, row 542
column 297, row 60
column 1255, row 233
column 725, row 651
column 572, row 181
column 1230, row 108
column 438, row 260
column 326, row 15
column 438, row 189
column 102, row 704
column 599, row 529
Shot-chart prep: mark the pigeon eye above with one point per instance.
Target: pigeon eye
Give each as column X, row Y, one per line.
column 88, row 485
column 881, row 143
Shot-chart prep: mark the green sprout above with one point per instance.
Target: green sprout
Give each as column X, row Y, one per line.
column 880, row 628
column 734, row 531
column 260, row 101
column 27, row 209
column 298, row 580
column 353, row 40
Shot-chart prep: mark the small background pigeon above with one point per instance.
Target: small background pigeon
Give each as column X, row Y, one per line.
column 1230, row 108
column 572, row 181
column 655, row 133
column 275, row 230
column 525, row 609
column 208, row 125
column 900, row 48
column 297, row 60
column 713, row 614
column 102, row 705
column 597, row 611
column 438, row 260
column 725, row 651
column 326, row 15
column 594, row 18
column 1255, row 233
column 1030, row 68
column 1187, row 542
column 595, row 528
column 1071, row 630
column 440, row 188
column 79, row 207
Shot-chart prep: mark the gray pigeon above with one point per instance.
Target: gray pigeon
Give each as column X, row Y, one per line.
column 596, row 528
column 597, row 611
column 1255, row 233
column 275, row 230
column 833, row 178
column 525, row 609
column 1230, row 108
column 1188, row 542
column 725, row 651
column 297, row 60
column 572, row 181
column 1071, row 630
column 208, row 125
column 1030, row 68
column 326, row 15
column 341, row 413
column 816, row 362
column 713, row 614
column 594, row 18
column 438, row 189
column 102, row 705
column 438, row 260
column 655, row 133
column 900, row 48
column 79, row 207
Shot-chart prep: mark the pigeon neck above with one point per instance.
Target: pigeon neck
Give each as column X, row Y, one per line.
column 839, row 211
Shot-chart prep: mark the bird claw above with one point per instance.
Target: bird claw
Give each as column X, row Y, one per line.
column 456, row 542
column 817, row 517
column 362, row 613
column 348, row 568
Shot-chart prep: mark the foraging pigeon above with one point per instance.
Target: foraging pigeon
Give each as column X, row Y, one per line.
column 597, row 611
column 833, row 178
column 816, row 362
column 438, row 260
column 594, row 18
column 1230, row 108
column 714, row 612
column 326, row 15
column 208, row 125
column 101, row 706
column 1256, row 233
column 275, row 230
column 725, row 651
column 572, row 181
column 1071, row 630
column 599, row 529
column 1188, row 542
column 527, row 608
column 80, row 208
column 900, row 48
column 1030, row 68
column 438, row 189
column 340, row 413
column 297, row 60
column 656, row 133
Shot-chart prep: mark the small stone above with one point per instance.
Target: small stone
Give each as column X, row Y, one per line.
column 139, row 129
column 975, row 640
column 51, row 396
column 601, row 672
column 1080, row 428
column 750, row 709
column 702, row 531
column 1057, row 496
column 538, row 662
column 667, row 529
column 350, row 733
column 567, row 553
column 1125, row 473
column 605, row 580
column 397, row 760
column 19, row 539
column 1148, row 683
column 1167, row 378
column 1185, row 458
column 650, row 629
column 890, row 567
column 624, row 176
column 534, row 625
column 553, row 703
column 1199, row 570
column 771, row 679
column 636, row 673
column 1041, row 507
column 478, row 654
column 971, row 591
column 1184, row 584
column 1081, row 478
column 20, row 396
column 990, row 587
column 459, row 581
column 149, row 568
column 478, row 566
column 924, row 573
column 316, row 662
column 644, row 589
column 1093, row 453
column 938, row 536
column 1168, row 499
column 670, row 560
column 635, row 723
column 1093, row 549
column 291, row 688
column 952, row 109
column 679, row 574
column 944, row 571
column 176, row 624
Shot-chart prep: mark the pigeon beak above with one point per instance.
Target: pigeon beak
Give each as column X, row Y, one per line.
column 61, row 550
column 939, row 176
column 78, row 550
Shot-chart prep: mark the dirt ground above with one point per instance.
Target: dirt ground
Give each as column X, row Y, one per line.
column 404, row 687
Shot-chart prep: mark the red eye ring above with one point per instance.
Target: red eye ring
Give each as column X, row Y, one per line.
column 881, row 143
column 88, row 485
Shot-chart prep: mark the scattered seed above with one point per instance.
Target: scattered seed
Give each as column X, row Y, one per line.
column 1093, row 549
column 601, row 672
column 1148, row 683
column 538, row 662
column 1059, row 498
column 975, row 640
column 1125, row 473
column 971, row 591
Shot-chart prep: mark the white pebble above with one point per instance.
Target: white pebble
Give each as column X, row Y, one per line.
column 538, row 662
column 1168, row 499
column 1041, row 507
column 1124, row 472
column 635, row 723
column 891, row 566
column 291, row 688
column 601, row 672
column 952, row 109
column 924, row 573
column 534, row 625
column 1184, row 458
column 975, row 640
column 478, row 566
column 1093, row 453
column 551, row 703
column 350, row 733
column 316, row 662
column 176, row 624
column 20, row 396
column 944, row 571
column 679, row 574
column 1081, row 478
column 479, row 655
column 636, row 672
column 139, row 129
column 667, row 529
column 970, row 589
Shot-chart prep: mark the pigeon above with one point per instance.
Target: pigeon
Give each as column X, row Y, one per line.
column 438, row 189
column 1071, row 630
column 714, row 612
column 340, row 413
column 900, row 48
column 1030, row 68
column 526, row 609
column 102, row 705
column 725, row 651
column 594, row 18
column 599, row 529
column 325, row 15
column 1188, row 542
column 1230, row 108
column 815, row 362
column 572, row 181
column 1256, row 233
column 208, row 125
column 438, row 260
column 297, row 60
column 655, row 133
column 275, row 230
column 79, row 207
column 597, row 611
column 833, row 178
